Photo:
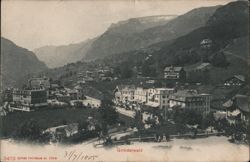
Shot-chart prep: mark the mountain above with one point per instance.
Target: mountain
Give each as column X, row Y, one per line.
column 134, row 34
column 186, row 51
column 227, row 28
column 226, row 24
column 17, row 62
column 56, row 56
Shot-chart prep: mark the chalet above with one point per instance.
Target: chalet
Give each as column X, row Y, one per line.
column 174, row 73
column 191, row 99
column 206, row 43
column 236, row 80
column 29, row 99
column 237, row 109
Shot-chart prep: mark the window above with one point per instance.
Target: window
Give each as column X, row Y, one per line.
column 163, row 96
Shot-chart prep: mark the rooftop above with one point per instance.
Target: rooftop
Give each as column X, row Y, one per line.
column 242, row 102
column 240, row 77
column 203, row 65
column 164, row 89
column 172, row 68
column 126, row 86
column 186, row 93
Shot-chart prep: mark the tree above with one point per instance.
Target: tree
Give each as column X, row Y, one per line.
column 238, row 131
column 219, row 60
column 138, row 120
column 193, row 117
column 29, row 130
column 108, row 112
column 208, row 120
column 126, row 72
column 117, row 71
column 187, row 117
column 82, row 125
column 148, row 71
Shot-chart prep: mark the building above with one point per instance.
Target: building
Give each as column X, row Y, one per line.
column 140, row 95
column 89, row 74
column 29, row 99
column 124, row 93
column 159, row 97
column 73, row 94
column 8, row 95
column 39, row 82
column 174, row 73
column 92, row 102
column 206, row 43
column 80, row 92
column 191, row 99
column 3, row 111
column 237, row 109
column 236, row 80
column 63, row 131
column 63, row 97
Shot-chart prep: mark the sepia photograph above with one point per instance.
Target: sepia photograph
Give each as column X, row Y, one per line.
column 124, row 81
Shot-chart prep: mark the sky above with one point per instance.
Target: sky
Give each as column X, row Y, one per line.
column 32, row 24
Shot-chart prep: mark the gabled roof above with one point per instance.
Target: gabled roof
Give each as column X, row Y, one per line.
column 172, row 68
column 242, row 102
column 203, row 65
column 120, row 87
column 234, row 113
column 240, row 77
column 228, row 103
column 186, row 93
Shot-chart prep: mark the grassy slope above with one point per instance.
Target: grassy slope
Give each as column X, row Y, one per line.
column 46, row 118
column 51, row 117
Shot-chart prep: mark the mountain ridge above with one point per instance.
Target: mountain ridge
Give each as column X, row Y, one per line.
column 117, row 41
column 56, row 56
column 17, row 62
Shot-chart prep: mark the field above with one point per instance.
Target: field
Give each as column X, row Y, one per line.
column 50, row 117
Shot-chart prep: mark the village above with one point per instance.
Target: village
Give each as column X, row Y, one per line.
column 150, row 112
column 125, row 81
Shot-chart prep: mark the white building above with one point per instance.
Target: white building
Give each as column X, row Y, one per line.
column 27, row 99
column 124, row 93
column 159, row 97
column 140, row 95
